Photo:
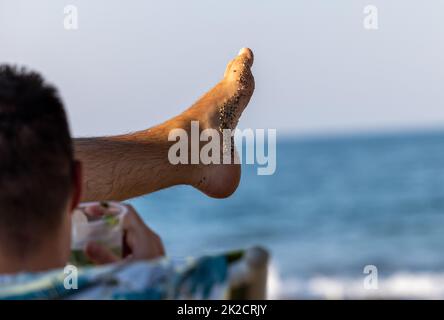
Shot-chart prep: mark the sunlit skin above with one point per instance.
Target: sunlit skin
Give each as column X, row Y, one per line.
column 125, row 166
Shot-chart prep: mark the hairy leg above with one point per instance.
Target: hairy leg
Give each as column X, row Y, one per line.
column 130, row 165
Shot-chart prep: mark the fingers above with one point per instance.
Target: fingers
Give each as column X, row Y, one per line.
column 133, row 221
column 99, row 254
column 139, row 243
column 160, row 248
column 142, row 241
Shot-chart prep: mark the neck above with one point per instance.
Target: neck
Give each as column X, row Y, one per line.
column 50, row 256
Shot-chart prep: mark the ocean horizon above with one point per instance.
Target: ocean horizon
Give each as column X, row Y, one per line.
column 334, row 205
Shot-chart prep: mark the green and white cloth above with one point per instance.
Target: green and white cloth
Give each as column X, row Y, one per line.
column 202, row 278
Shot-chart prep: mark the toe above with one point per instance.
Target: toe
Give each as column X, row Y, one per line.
column 247, row 55
column 228, row 68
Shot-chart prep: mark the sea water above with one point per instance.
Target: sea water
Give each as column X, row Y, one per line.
column 333, row 206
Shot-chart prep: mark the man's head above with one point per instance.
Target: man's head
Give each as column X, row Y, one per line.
column 39, row 179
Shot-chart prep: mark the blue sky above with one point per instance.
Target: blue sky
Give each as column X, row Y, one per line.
column 133, row 64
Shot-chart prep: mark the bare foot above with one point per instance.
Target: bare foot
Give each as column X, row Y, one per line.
column 221, row 108
column 130, row 165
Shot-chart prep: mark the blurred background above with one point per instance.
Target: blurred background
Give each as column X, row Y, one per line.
column 359, row 116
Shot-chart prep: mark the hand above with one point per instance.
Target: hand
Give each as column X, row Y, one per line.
column 142, row 242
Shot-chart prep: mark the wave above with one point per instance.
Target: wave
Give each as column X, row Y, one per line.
column 400, row 285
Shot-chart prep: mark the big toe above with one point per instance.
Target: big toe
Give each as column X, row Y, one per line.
column 247, row 56
column 244, row 59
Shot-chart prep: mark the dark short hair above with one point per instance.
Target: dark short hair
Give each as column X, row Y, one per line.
column 36, row 159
